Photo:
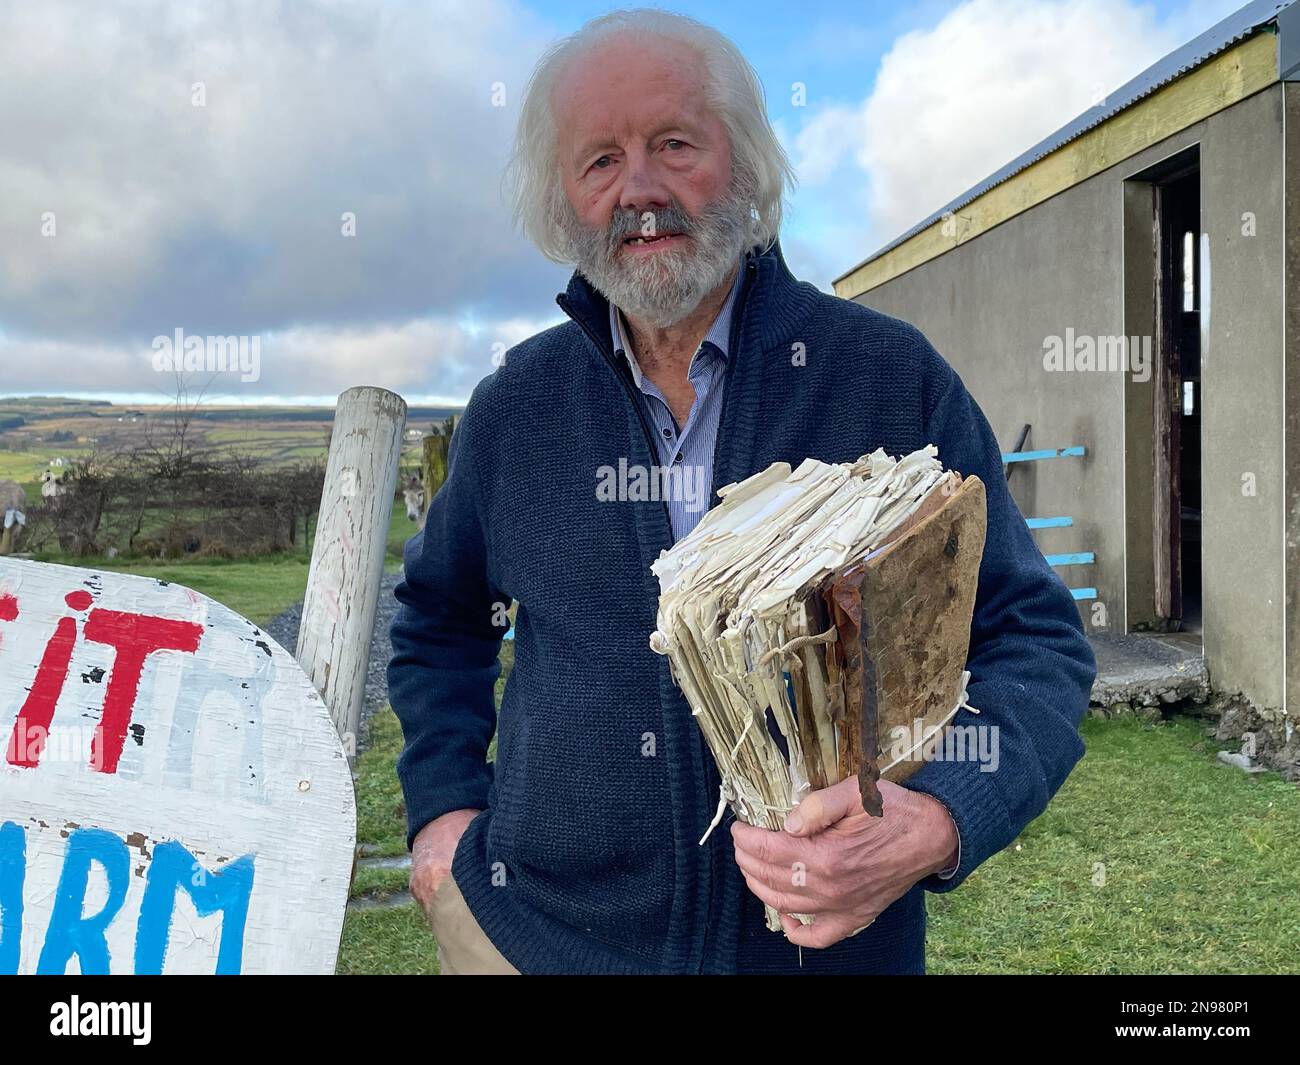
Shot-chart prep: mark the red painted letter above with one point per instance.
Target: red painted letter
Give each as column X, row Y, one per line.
column 135, row 636
column 33, row 723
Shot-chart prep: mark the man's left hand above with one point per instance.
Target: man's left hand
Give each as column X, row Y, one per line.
column 836, row 862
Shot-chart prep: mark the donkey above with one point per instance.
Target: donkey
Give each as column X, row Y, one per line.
column 414, row 496
column 12, row 501
column 52, row 485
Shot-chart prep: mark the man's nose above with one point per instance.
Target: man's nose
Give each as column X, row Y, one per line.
column 643, row 188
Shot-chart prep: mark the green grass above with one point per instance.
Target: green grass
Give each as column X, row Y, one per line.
column 400, row 529
column 259, row 589
column 387, row 942
column 381, row 814
column 397, row 940
column 26, row 467
column 1201, row 869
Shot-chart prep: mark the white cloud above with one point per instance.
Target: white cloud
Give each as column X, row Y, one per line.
column 954, row 103
column 436, row 357
column 824, row 144
column 226, row 218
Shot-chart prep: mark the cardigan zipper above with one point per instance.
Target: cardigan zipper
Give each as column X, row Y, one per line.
column 733, row 345
column 737, row 323
column 624, row 376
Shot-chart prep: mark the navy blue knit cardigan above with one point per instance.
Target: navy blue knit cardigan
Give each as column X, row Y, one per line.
column 585, row 859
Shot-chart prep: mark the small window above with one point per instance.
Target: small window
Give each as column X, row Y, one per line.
column 1189, row 271
column 1189, row 397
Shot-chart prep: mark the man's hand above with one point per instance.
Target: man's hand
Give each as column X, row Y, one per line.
column 432, row 851
column 841, row 865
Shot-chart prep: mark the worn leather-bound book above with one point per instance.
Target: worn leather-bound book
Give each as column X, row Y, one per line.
column 818, row 621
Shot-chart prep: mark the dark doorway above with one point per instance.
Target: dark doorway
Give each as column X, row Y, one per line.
column 1176, row 356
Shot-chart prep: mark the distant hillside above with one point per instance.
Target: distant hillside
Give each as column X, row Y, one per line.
column 51, row 401
column 26, row 408
column 40, row 432
column 304, row 414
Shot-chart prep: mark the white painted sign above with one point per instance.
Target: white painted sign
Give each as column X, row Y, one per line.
column 173, row 795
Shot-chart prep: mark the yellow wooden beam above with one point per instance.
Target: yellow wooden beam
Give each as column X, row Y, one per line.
column 1215, row 85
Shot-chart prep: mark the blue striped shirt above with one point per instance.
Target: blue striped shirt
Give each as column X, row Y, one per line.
column 686, row 454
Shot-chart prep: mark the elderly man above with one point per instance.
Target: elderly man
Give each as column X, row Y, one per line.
column 645, row 157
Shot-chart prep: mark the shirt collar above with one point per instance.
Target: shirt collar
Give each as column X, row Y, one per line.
column 719, row 334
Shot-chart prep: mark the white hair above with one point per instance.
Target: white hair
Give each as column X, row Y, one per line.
column 758, row 161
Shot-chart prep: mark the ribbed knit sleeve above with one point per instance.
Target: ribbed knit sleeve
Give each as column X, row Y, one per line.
column 1031, row 666
column 445, row 644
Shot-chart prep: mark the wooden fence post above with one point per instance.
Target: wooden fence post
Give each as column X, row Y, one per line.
column 435, row 457
column 347, row 558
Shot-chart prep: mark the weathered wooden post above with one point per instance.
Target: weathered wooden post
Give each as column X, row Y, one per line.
column 432, row 465
column 435, row 457
column 347, row 558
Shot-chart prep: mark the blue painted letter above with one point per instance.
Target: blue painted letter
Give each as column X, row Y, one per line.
column 69, row 932
column 13, row 864
column 228, row 891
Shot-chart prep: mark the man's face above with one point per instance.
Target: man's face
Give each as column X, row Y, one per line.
column 655, row 218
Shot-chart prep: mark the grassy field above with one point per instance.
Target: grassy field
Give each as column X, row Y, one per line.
column 259, row 588
column 262, row 587
column 34, row 431
column 25, row 467
column 1153, row 858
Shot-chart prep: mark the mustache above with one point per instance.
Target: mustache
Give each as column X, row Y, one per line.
column 628, row 222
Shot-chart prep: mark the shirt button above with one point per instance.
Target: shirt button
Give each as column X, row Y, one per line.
column 668, row 434
column 678, row 458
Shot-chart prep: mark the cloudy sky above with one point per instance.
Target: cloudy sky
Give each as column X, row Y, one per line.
column 174, row 165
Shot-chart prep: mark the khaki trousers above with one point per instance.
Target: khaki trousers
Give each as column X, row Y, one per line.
column 463, row 949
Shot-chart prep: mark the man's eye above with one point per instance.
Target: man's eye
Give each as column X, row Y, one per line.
column 674, row 144
column 602, row 162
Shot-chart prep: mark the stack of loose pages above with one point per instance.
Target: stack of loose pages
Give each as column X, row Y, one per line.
column 818, row 622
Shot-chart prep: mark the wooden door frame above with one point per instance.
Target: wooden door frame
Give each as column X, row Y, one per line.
column 1153, row 583
column 1166, row 502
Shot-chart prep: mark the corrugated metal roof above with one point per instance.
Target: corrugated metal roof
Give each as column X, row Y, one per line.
column 1218, row 38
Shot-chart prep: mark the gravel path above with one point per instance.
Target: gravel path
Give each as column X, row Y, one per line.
column 284, row 630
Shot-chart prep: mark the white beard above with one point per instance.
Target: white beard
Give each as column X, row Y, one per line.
column 663, row 288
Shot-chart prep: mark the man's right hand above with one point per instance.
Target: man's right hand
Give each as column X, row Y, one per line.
column 432, row 851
